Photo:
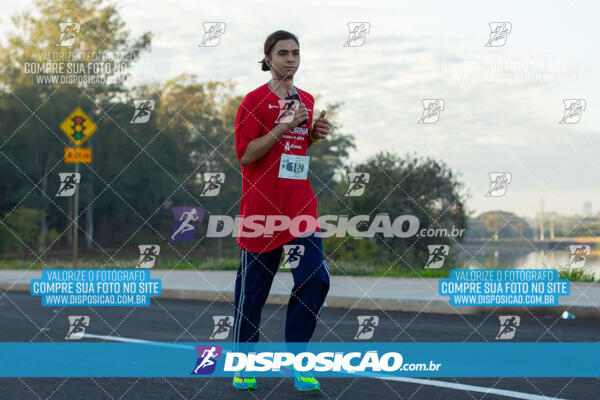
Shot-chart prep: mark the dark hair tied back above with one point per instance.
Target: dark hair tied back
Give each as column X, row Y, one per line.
column 272, row 39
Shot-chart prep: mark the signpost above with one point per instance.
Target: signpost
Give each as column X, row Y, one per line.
column 78, row 127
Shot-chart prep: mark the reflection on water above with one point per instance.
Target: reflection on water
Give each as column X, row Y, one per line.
column 473, row 256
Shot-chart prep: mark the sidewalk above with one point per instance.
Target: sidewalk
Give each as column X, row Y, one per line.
column 390, row 294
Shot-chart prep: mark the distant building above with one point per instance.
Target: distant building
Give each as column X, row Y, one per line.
column 587, row 208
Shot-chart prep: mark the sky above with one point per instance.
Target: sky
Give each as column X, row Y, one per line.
column 502, row 104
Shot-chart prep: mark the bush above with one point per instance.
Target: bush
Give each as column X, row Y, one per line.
column 22, row 230
column 576, row 275
column 351, row 249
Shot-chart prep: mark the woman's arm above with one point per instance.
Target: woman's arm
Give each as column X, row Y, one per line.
column 260, row 146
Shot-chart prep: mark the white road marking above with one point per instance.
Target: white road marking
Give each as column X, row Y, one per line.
column 470, row 388
column 134, row 340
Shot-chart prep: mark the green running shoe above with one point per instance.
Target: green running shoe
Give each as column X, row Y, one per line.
column 240, row 383
column 302, row 380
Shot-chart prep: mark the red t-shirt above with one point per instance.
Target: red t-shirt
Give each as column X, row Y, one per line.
column 263, row 191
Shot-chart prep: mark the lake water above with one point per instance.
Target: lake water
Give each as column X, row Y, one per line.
column 474, row 256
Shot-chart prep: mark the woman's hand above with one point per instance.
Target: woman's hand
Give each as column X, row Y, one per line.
column 320, row 128
column 300, row 115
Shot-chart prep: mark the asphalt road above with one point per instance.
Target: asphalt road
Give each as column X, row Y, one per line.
column 24, row 319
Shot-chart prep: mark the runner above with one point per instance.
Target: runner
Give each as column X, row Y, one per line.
column 272, row 136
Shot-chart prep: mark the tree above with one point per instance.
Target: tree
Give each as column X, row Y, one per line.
column 499, row 225
column 33, row 146
column 407, row 185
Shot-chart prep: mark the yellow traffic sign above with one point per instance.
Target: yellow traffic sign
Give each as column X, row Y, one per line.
column 78, row 127
column 78, row 155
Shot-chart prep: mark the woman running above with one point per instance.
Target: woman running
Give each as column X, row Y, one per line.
column 272, row 135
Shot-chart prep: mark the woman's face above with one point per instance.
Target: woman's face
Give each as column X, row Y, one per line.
column 285, row 58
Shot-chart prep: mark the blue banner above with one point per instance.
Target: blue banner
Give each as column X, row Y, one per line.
column 338, row 359
column 95, row 287
column 504, row 287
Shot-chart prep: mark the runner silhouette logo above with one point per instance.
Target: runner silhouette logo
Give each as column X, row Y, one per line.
column 207, row 359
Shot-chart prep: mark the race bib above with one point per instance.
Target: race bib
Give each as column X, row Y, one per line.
column 293, row 167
